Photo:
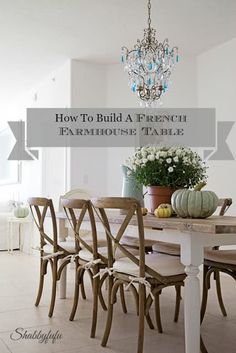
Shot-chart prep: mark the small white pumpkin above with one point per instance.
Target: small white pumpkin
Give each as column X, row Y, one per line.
column 194, row 203
column 21, row 212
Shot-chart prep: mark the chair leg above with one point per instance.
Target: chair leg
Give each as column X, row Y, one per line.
column 40, row 289
column 158, row 313
column 95, row 305
column 76, row 295
column 177, row 302
column 148, row 304
column 100, row 295
column 142, row 300
column 149, row 321
column 54, row 287
column 204, row 292
column 109, row 314
column 83, row 294
column 135, row 294
column 122, row 299
column 219, row 293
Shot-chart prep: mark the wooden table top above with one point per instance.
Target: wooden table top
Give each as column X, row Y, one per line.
column 213, row 224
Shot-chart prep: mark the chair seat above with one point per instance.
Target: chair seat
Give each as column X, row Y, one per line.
column 165, row 265
column 67, row 245
column 88, row 256
column 134, row 242
column 166, row 248
column 86, row 235
column 222, row 256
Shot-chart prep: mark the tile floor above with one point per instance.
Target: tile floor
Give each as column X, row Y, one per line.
column 18, row 283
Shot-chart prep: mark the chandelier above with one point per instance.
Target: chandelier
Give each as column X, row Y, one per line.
column 149, row 65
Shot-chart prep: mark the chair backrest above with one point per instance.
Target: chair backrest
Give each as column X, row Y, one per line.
column 40, row 209
column 74, row 194
column 101, row 208
column 224, row 205
column 76, row 211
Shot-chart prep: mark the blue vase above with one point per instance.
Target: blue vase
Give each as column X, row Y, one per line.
column 130, row 186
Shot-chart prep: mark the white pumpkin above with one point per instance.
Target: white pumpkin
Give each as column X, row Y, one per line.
column 194, row 203
column 21, row 212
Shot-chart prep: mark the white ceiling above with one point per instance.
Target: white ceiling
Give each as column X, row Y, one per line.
column 36, row 36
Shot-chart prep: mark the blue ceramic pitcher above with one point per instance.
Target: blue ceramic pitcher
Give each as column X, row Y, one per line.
column 130, row 186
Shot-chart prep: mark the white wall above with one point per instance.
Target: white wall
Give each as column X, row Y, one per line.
column 216, row 88
column 53, row 92
column 88, row 166
column 44, row 176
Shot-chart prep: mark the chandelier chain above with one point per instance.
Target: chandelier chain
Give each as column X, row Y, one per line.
column 149, row 14
column 149, row 64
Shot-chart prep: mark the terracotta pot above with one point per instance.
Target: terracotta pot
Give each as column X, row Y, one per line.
column 158, row 195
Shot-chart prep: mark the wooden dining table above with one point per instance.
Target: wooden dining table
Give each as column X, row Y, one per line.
column 193, row 235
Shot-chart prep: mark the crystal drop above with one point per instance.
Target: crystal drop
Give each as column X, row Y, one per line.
column 177, row 58
column 149, row 66
column 149, row 81
column 134, row 87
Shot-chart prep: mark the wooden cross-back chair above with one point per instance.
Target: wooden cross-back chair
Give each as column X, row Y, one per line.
column 51, row 251
column 92, row 256
column 152, row 272
column 89, row 257
column 215, row 262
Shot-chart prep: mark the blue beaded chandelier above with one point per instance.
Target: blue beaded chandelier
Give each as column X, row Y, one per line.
column 149, row 65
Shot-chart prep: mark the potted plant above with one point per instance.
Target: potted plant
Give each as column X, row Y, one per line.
column 165, row 169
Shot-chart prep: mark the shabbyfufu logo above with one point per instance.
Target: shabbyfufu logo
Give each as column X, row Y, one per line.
column 37, row 335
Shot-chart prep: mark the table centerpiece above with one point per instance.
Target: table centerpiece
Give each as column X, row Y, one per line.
column 165, row 169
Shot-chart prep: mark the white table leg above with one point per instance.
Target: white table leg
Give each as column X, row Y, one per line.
column 31, row 240
column 192, row 310
column 192, row 258
column 8, row 237
column 63, row 230
column 21, row 237
column 11, row 238
column 62, row 282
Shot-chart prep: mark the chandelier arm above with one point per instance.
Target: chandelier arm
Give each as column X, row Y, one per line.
column 167, row 70
column 139, row 76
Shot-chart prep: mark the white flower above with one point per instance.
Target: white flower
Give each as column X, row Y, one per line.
column 151, row 157
column 170, row 169
column 178, row 152
column 169, row 160
column 145, row 160
column 176, row 159
column 186, row 160
column 163, row 154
